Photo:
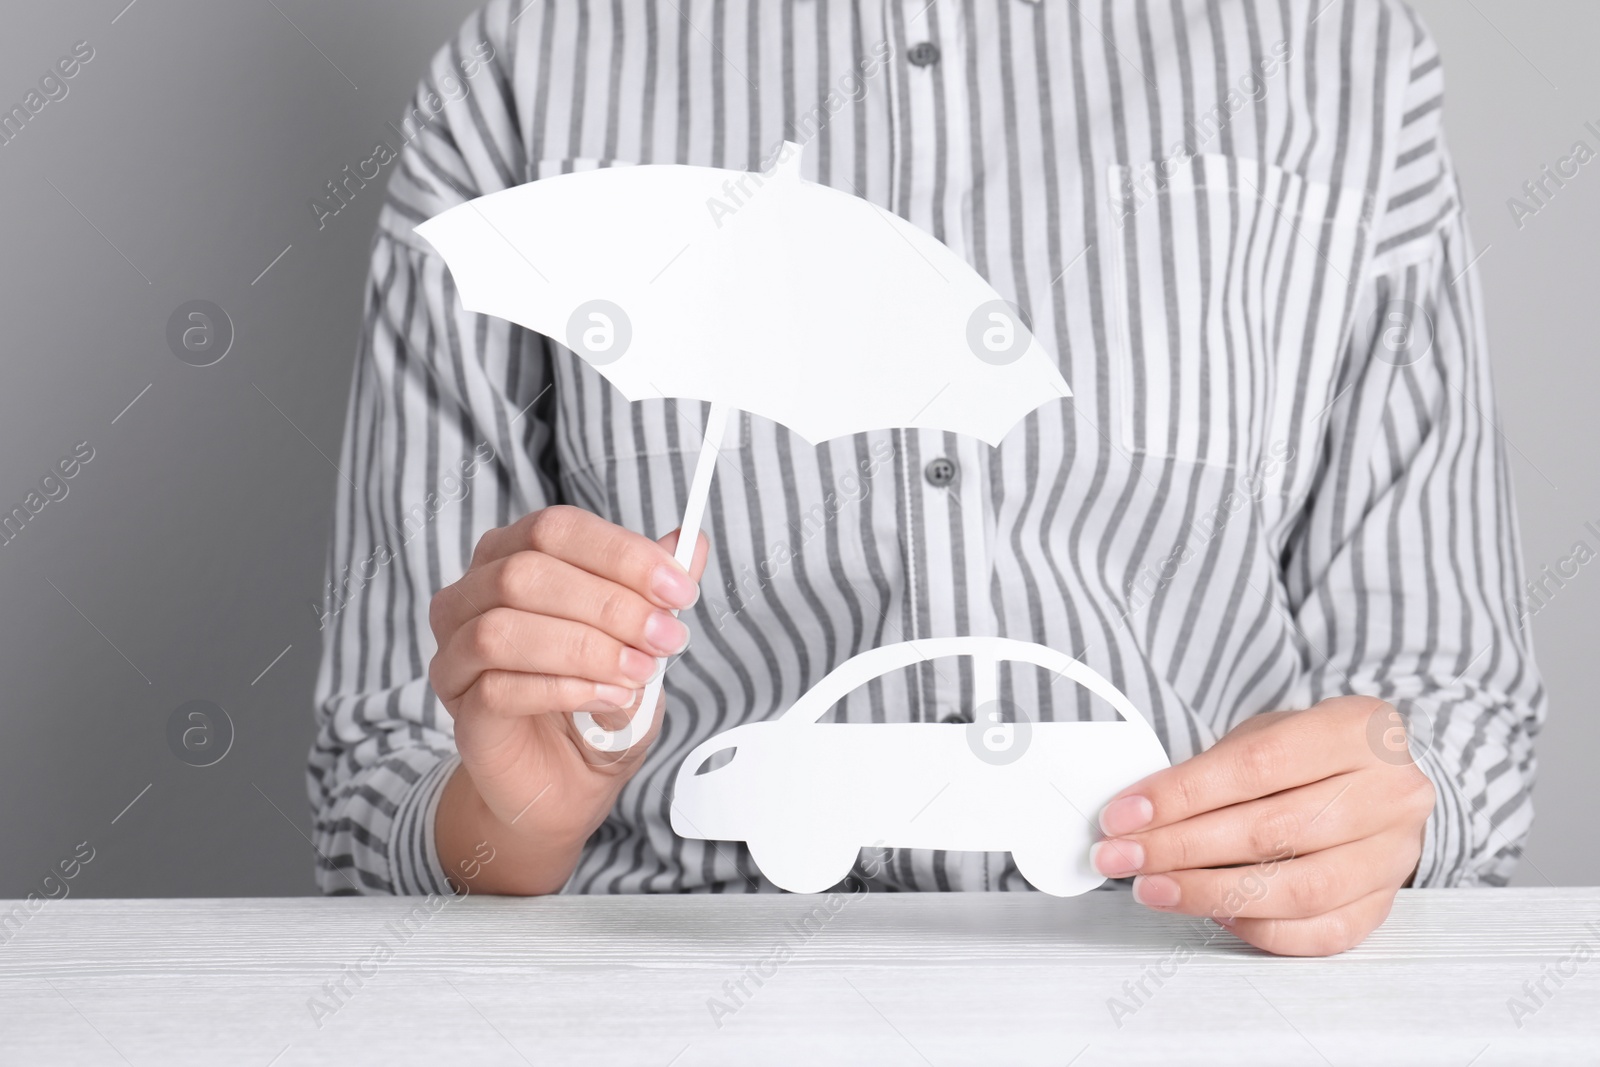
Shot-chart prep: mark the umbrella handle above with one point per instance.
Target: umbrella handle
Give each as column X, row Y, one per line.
column 694, row 509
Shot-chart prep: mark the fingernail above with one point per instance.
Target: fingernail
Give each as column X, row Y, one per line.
column 636, row 666
column 1125, row 815
column 666, row 634
column 1155, row 891
column 1117, row 859
column 615, row 695
column 674, row 586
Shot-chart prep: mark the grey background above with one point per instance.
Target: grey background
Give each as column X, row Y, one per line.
column 184, row 556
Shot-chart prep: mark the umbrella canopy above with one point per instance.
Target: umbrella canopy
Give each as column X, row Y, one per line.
column 754, row 291
column 775, row 295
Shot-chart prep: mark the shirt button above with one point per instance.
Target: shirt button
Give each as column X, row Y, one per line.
column 924, row 54
column 940, row 472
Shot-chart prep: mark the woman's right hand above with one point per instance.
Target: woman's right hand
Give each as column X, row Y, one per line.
column 559, row 612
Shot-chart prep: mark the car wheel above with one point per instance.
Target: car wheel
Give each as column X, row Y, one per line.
column 804, row 866
column 1051, row 870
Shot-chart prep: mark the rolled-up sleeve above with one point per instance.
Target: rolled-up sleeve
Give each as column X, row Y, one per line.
column 446, row 437
column 1405, row 573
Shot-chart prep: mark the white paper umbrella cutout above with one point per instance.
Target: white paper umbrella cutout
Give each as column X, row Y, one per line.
column 808, row 796
column 758, row 292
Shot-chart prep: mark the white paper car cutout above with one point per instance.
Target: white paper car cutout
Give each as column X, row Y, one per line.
column 807, row 796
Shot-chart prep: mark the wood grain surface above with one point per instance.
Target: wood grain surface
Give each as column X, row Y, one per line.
column 870, row 978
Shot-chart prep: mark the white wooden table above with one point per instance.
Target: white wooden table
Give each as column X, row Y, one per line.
column 887, row 979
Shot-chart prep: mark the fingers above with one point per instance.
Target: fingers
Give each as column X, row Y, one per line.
column 563, row 594
column 1292, row 750
column 539, row 584
column 1259, row 833
column 505, row 639
column 572, row 578
column 1287, row 887
column 508, row 694
column 506, row 744
column 590, row 543
column 1298, row 821
column 1320, row 935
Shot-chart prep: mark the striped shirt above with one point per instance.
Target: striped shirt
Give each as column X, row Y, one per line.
column 1236, row 225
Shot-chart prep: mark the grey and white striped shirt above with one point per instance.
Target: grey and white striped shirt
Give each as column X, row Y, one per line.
column 1235, row 223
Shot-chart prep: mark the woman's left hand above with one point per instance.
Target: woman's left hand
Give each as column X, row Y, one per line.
column 1294, row 831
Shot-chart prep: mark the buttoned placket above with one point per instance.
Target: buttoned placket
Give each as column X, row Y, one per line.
column 949, row 552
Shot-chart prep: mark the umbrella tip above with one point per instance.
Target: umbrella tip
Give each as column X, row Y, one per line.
column 785, row 162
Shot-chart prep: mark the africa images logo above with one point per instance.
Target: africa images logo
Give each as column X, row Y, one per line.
column 429, row 105
column 52, row 88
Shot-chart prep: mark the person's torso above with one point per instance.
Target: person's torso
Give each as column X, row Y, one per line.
column 1180, row 206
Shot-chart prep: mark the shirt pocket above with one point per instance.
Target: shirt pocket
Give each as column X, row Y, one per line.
column 1233, row 282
